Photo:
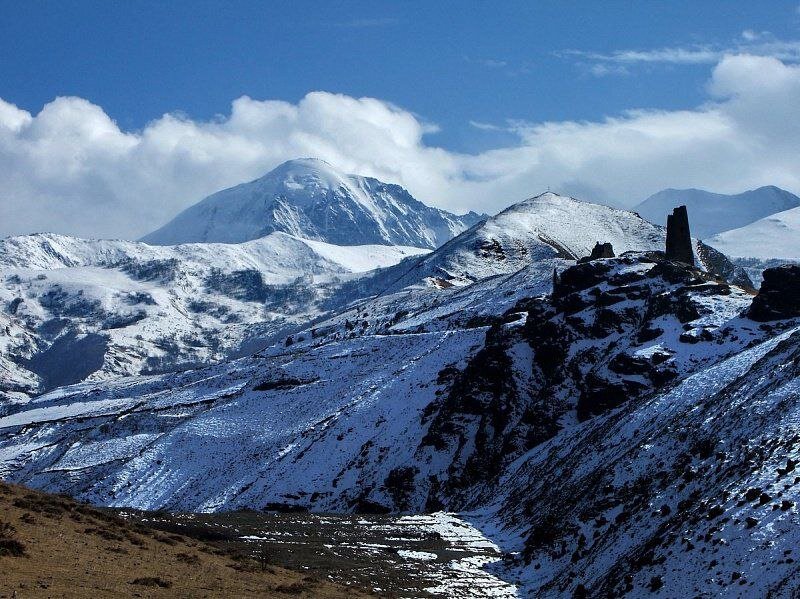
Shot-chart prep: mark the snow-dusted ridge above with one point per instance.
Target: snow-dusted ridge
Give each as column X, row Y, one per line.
column 277, row 255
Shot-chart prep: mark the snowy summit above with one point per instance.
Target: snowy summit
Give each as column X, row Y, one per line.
column 309, row 198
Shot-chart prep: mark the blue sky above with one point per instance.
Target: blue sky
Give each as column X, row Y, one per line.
column 463, row 92
column 451, row 63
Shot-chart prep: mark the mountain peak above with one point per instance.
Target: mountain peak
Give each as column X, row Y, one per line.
column 310, row 198
column 303, row 167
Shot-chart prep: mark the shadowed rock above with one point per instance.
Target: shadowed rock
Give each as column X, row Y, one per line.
column 600, row 250
column 679, row 238
column 779, row 296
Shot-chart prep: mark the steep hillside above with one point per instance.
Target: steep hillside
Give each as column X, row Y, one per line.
column 693, row 492
column 713, row 213
column 309, row 198
column 384, row 410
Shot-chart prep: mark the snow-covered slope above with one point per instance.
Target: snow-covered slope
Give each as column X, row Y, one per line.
column 689, row 493
column 712, row 213
column 368, row 414
column 543, row 227
column 777, row 236
column 634, row 430
column 766, row 243
column 79, row 309
column 311, row 199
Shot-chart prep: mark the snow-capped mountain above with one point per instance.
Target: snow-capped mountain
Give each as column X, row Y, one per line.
column 311, row 199
column 713, row 213
column 78, row 309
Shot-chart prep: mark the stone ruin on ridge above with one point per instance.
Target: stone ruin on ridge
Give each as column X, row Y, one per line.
column 679, row 239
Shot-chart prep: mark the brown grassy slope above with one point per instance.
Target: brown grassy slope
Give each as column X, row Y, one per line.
column 73, row 550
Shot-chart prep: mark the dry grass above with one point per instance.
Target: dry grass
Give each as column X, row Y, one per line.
column 56, row 547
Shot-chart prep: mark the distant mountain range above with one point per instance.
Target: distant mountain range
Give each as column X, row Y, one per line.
column 713, row 213
column 311, row 199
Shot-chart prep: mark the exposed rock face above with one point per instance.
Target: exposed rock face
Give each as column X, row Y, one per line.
column 679, row 238
column 612, row 331
column 779, row 297
column 600, row 250
column 718, row 263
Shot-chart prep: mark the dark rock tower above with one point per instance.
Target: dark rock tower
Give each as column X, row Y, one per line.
column 679, row 239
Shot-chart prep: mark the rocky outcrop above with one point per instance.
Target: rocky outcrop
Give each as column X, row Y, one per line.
column 600, row 250
column 718, row 263
column 779, row 296
column 611, row 332
column 679, row 238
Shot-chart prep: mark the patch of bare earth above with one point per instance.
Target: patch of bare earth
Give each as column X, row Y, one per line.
column 52, row 546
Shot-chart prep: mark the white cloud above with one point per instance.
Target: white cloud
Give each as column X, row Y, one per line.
column 71, row 169
column 752, row 42
column 604, row 70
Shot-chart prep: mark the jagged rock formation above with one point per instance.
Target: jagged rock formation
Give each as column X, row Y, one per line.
column 679, row 238
column 779, row 296
column 718, row 263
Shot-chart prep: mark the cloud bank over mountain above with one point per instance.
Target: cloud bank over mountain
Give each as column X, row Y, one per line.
column 71, row 169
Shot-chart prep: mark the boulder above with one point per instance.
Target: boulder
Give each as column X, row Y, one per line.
column 600, row 250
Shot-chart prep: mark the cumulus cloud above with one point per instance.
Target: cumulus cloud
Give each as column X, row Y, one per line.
column 71, row 169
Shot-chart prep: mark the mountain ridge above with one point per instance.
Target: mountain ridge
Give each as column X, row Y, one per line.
column 712, row 213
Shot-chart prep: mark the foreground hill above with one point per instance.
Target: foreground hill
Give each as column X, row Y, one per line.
column 311, row 199
column 54, row 547
column 713, row 213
